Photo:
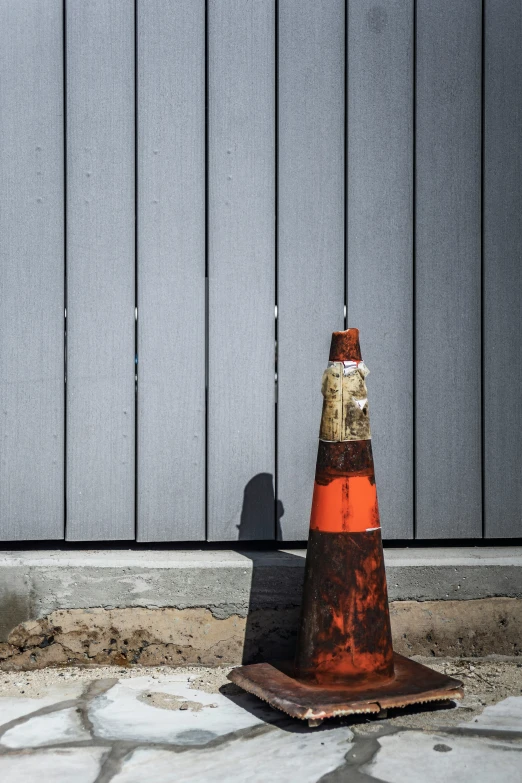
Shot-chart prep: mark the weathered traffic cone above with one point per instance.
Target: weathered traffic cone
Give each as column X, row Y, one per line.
column 345, row 632
column 345, row 661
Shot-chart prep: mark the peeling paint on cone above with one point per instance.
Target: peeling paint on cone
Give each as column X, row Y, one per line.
column 345, row 661
column 345, row 629
column 345, row 626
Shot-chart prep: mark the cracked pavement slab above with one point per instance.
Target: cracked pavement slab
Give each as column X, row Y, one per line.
column 114, row 725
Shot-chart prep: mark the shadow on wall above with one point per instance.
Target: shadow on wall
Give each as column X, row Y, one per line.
column 257, row 514
column 277, row 577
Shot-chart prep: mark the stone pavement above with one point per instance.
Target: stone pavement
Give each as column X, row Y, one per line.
column 172, row 725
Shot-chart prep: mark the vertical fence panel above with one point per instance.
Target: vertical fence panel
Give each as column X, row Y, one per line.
column 171, row 270
column 443, row 350
column 310, row 236
column 31, row 270
column 100, row 269
column 241, row 269
column 503, row 268
column 380, row 238
column 448, row 283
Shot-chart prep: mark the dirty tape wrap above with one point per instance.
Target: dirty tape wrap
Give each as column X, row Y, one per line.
column 345, row 405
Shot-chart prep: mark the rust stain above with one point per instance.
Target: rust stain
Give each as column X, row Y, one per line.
column 412, row 683
column 345, row 632
column 346, row 458
column 345, row 346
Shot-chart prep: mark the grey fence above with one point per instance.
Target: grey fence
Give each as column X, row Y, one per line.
column 197, row 184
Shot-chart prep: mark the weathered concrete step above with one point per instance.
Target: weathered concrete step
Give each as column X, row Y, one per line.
column 223, row 606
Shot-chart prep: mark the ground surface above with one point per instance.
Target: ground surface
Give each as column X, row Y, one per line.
column 172, row 725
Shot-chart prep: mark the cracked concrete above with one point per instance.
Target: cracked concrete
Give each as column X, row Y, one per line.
column 108, row 725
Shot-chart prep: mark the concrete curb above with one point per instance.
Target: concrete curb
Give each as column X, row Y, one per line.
column 227, row 591
column 33, row 584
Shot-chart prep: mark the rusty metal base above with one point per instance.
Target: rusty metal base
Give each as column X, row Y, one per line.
column 413, row 683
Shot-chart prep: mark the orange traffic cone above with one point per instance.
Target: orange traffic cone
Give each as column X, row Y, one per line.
column 345, row 661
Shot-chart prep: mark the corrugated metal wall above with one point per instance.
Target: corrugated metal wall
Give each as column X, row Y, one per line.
column 206, row 164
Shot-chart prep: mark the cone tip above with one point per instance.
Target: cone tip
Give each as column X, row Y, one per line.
column 345, row 346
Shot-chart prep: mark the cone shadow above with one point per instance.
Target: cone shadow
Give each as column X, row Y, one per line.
column 256, row 522
column 277, row 577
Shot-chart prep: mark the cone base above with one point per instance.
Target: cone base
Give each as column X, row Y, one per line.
column 413, row 683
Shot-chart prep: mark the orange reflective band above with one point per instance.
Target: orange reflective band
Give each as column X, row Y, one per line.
column 345, row 505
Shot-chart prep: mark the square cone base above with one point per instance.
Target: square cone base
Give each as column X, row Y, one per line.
column 412, row 683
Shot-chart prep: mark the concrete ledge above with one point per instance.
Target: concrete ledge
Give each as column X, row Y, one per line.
column 33, row 584
column 228, row 606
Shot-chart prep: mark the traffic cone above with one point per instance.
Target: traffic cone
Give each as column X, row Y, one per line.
column 345, row 661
